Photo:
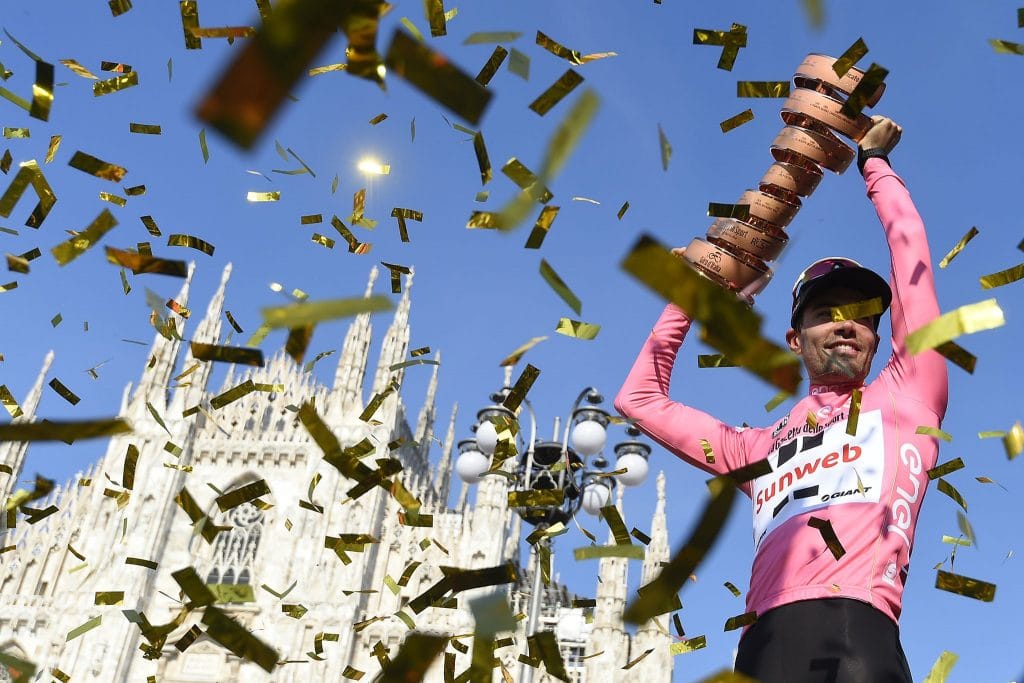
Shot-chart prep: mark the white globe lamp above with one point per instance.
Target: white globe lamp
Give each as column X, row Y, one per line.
column 470, row 466
column 486, row 438
column 636, row 469
column 589, row 437
column 595, row 497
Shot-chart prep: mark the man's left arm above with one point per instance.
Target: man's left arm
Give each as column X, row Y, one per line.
column 912, row 279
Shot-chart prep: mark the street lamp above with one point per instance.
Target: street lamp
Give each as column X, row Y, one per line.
column 578, row 471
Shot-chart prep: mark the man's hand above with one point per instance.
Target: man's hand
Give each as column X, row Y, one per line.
column 884, row 134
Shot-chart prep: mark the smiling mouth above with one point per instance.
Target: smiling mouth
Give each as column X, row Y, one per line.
column 844, row 349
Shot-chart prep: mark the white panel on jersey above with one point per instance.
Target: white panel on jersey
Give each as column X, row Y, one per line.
column 820, row 470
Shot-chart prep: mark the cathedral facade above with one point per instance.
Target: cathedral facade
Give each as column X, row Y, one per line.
column 330, row 614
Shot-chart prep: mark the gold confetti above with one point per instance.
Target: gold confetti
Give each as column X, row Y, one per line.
column 958, row 355
column 740, row 211
column 577, row 329
column 436, row 77
column 854, row 416
column 414, row 657
column 594, row 552
column 1003, row 277
column 762, row 89
column 689, row 645
column 84, row 628
column 664, row 588
column 946, row 468
column 300, row 314
column 113, row 199
column 622, row 210
column 573, row 56
column 316, row 71
column 116, row 84
column 965, row 528
column 51, row 151
column 119, row 7
column 947, row 488
column 263, row 196
column 232, row 394
column 984, row 315
column 17, row 264
column 229, row 32
column 68, row 251
column 958, row 247
column 144, row 128
column 521, row 387
column 1006, row 47
column 19, row 133
column 541, row 227
column 858, row 309
column 736, row 121
column 78, row 69
column 556, row 92
column 873, row 78
column 138, row 561
column 828, row 534
column 1013, row 441
column 940, row 670
column 437, row 17
column 714, row 360
column 491, row 67
column 709, row 454
column 558, row 285
column 745, row 619
column 9, row 402
column 850, row 57
column 633, row 662
column 97, row 167
column 63, row 391
column 140, row 263
column 226, row 354
column 519, row 64
column 526, row 180
column 729, row 326
column 966, row 586
column 483, row 37
column 934, row 431
column 234, row 637
column 29, row 174
column 191, row 242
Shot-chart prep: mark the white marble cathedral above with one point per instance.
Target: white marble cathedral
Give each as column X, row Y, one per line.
column 46, row 590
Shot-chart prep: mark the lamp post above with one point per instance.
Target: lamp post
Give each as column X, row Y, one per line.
column 571, row 462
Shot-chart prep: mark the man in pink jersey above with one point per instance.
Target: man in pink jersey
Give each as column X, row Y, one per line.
column 821, row 618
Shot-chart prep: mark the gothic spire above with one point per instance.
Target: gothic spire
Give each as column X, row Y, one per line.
column 348, row 377
column 653, row 635
column 428, row 413
column 396, row 341
column 163, row 355
column 12, row 453
column 608, row 633
column 208, row 331
column 443, row 476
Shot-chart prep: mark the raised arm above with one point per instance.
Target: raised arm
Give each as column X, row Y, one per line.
column 677, row 427
column 912, row 279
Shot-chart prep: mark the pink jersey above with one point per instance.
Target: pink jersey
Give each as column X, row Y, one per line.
column 870, row 486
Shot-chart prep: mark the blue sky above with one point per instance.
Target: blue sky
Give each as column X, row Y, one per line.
column 477, row 294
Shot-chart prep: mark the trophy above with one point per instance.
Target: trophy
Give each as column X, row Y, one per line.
column 737, row 251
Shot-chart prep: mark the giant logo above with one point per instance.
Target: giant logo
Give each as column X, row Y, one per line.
column 820, row 470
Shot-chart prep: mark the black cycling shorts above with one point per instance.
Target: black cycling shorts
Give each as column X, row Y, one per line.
column 830, row 640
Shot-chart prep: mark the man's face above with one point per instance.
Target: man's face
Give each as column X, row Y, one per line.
column 834, row 352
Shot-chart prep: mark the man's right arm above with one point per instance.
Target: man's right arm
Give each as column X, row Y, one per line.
column 677, row 427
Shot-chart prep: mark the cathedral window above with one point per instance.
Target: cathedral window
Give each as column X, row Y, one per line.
column 234, row 553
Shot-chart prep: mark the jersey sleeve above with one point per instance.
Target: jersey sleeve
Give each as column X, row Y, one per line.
column 922, row 376
column 677, row 427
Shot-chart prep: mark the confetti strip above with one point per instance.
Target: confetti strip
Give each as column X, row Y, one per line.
column 660, row 592
column 558, row 285
column 741, row 620
column 850, row 57
column 966, row 586
column 84, row 628
column 689, row 645
column 873, row 78
column 556, row 92
column 762, row 89
column 1003, row 277
column 740, row 211
column 492, row 65
column 736, row 121
column 828, row 534
column 437, row 77
column 858, row 309
column 577, row 329
column 984, row 315
column 958, row 247
column 116, row 84
column 943, row 665
column 945, row 468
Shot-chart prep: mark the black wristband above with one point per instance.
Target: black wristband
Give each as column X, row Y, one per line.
column 864, row 154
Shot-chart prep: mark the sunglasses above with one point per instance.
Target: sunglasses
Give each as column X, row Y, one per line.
column 822, row 267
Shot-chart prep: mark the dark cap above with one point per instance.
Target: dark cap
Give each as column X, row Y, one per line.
column 836, row 271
